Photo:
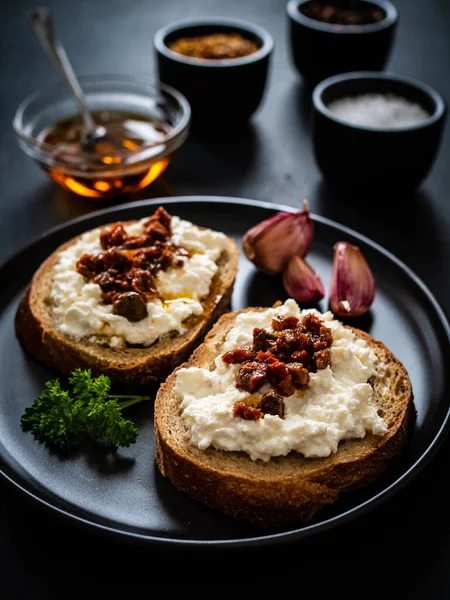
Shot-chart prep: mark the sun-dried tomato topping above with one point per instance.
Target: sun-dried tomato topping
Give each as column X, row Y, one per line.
column 238, row 356
column 130, row 263
column 311, row 323
column 272, row 404
column 106, row 280
column 89, row 266
column 166, row 259
column 323, row 340
column 282, row 358
column 157, row 227
column 249, row 413
column 115, row 260
column 285, row 387
column 300, row 375
column 322, row 358
column 306, row 359
column 251, row 376
column 266, row 357
column 288, row 340
column 113, row 236
column 305, row 341
column 279, row 377
column 157, row 231
column 279, row 323
column 160, row 215
column 147, row 258
column 111, row 297
column 263, row 340
column 144, row 284
column 137, row 241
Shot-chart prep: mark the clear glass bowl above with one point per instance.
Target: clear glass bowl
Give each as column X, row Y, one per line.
column 91, row 173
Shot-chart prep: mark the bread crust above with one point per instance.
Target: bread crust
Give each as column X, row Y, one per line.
column 35, row 329
column 286, row 490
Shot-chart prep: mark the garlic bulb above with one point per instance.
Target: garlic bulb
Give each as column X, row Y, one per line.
column 271, row 243
column 352, row 289
column 301, row 282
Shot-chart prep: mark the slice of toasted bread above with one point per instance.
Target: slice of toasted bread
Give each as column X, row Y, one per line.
column 287, row 489
column 35, row 328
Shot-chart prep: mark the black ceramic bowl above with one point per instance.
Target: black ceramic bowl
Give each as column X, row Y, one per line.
column 320, row 49
column 370, row 160
column 221, row 91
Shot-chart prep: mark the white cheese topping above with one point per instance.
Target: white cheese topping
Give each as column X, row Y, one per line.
column 79, row 311
column 337, row 404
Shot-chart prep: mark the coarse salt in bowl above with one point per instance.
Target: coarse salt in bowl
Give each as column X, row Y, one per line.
column 374, row 132
column 379, row 110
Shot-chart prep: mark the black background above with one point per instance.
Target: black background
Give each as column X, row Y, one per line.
column 402, row 549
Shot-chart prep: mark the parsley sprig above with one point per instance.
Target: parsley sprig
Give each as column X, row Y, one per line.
column 58, row 415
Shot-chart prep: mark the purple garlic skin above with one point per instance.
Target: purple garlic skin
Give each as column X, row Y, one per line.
column 301, row 282
column 271, row 243
column 352, row 289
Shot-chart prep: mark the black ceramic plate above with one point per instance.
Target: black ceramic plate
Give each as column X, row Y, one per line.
column 123, row 494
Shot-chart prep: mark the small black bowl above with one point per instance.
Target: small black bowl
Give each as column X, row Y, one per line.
column 222, row 92
column 320, row 49
column 356, row 158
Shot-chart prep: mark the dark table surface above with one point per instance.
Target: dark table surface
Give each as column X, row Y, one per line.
column 402, row 547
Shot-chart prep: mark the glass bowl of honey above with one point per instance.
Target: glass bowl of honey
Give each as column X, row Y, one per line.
column 144, row 125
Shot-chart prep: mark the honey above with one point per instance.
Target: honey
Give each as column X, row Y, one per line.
column 126, row 159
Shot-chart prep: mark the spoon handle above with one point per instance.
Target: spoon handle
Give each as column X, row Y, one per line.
column 42, row 23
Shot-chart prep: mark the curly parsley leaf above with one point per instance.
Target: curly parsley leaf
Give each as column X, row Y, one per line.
column 85, row 387
column 58, row 415
column 105, row 421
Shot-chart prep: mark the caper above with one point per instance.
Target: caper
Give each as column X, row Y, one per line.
column 130, row 305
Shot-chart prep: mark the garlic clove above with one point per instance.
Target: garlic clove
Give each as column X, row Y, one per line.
column 301, row 282
column 352, row 289
column 271, row 243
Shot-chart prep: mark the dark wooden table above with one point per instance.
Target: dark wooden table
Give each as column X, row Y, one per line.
column 401, row 549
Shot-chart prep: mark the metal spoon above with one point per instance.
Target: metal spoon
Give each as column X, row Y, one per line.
column 42, row 23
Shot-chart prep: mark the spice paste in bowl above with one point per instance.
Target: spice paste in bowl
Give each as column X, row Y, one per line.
column 343, row 13
column 214, row 46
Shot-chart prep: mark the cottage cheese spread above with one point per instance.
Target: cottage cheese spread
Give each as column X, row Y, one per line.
column 79, row 311
column 337, row 404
